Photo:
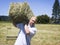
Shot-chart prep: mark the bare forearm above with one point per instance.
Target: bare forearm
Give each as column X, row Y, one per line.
column 27, row 30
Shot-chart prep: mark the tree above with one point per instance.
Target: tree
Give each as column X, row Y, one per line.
column 43, row 19
column 38, row 19
column 56, row 11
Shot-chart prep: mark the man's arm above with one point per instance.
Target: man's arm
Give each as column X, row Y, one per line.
column 27, row 30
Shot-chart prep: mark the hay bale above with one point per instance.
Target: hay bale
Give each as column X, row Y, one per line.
column 20, row 12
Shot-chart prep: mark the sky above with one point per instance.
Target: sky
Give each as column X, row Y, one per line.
column 38, row 7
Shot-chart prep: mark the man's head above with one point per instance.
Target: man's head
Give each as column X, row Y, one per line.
column 32, row 20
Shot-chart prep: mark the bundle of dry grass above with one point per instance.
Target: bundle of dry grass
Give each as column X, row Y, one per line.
column 20, row 12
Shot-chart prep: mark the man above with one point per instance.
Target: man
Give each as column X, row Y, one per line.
column 30, row 29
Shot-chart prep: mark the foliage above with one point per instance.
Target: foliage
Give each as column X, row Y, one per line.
column 43, row 19
column 56, row 12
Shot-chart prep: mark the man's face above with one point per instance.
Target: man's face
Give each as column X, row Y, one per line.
column 32, row 21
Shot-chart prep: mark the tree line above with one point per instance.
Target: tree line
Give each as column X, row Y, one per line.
column 41, row 19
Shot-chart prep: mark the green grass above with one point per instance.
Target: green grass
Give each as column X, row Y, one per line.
column 47, row 34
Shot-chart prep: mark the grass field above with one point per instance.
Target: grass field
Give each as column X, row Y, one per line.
column 47, row 34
